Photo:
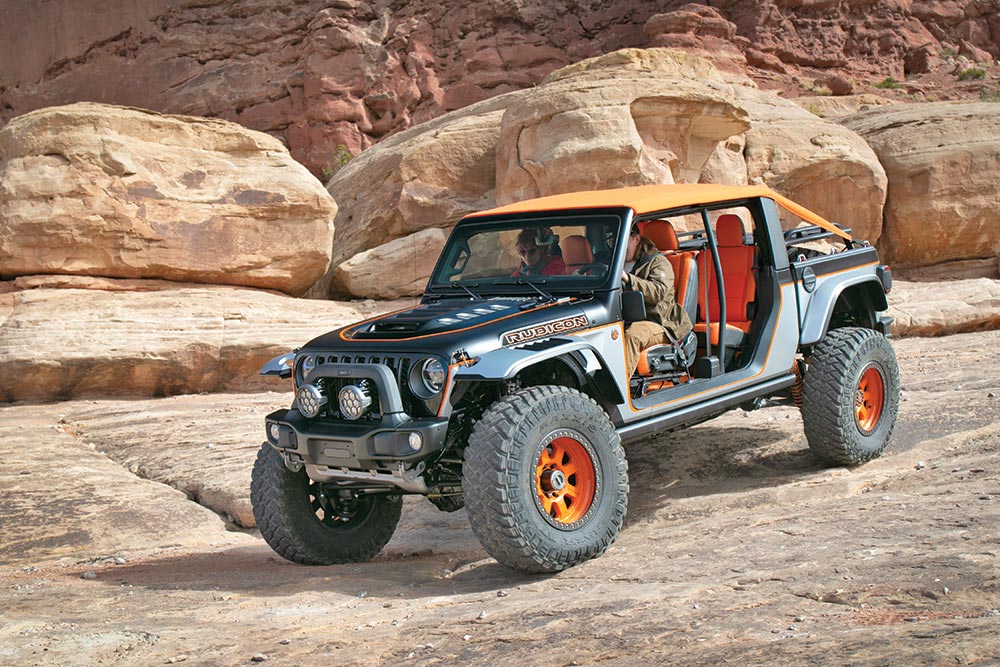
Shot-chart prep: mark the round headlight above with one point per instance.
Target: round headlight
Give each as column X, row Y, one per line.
column 308, row 363
column 433, row 375
column 310, row 400
column 355, row 400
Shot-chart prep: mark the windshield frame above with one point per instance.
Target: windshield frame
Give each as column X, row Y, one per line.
column 509, row 285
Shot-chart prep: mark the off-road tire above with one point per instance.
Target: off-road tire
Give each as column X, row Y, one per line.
column 846, row 369
column 290, row 526
column 500, row 474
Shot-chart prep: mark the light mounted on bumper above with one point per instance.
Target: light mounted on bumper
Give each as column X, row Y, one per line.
column 355, row 400
column 310, row 400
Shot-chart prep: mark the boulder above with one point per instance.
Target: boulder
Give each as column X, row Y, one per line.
column 57, row 344
column 942, row 160
column 91, row 189
column 814, row 162
column 662, row 116
column 394, row 269
column 943, row 308
column 428, row 176
column 632, row 117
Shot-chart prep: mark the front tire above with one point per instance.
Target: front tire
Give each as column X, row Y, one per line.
column 850, row 396
column 316, row 524
column 545, row 480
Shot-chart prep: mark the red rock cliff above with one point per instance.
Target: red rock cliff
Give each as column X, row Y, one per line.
column 323, row 75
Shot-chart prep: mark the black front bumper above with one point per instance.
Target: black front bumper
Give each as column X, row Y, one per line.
column 354, row 445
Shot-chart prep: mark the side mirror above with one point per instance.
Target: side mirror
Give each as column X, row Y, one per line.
column 280, row 366
column 633, row 306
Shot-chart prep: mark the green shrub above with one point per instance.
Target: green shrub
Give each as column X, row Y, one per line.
column 990, row 94
column 888, row 83
column 970, row 73
column 341, row 158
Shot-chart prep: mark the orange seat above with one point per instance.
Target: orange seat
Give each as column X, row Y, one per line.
column 737, row 259
column 577, row 253
column 663, row 236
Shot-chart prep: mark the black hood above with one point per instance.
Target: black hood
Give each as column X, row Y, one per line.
column 444, row 326
column 438, row 318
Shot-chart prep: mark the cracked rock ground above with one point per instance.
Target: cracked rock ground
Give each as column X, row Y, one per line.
column 738, row 547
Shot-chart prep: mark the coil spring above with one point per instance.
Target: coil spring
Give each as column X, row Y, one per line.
column 796, row 389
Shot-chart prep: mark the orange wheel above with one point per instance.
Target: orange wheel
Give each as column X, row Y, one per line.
column 565, row 480
column 868, row 399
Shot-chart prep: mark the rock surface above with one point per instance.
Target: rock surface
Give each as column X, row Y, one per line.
column 662, row 116
column 93, row 507
column 57, row 344
column 939, row 309
column 108, row 191
column 149, row 338
column 736, row 550
column 426, row 177
column 942, row 161
column 633, row 117
column 395, row 269
column 323, row 75
column 814, row 162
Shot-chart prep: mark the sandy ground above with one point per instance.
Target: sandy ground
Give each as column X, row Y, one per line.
column 738, row 547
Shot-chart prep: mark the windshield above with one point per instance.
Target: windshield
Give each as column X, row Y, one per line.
column 562, row 252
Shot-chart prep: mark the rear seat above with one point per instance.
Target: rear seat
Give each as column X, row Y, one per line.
column 737, row 259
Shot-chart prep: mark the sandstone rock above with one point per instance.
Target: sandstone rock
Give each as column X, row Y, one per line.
column 318, row 75
column 97, row 190
column 428, row 176
column 662, row 116
column 394, row 269
column 942, row 308
column 941, row 160
column 701, row 28
column 825, row 106
column 629, row 118
column 840, row 85
column 204, row 446
column 726, row 165
column 325, row 75
column 60, row 343
column 816, row 163
column 974, row 53
column 99, row 508
column 922, row 60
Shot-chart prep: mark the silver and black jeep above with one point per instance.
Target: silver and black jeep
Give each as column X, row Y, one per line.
column 507, row 393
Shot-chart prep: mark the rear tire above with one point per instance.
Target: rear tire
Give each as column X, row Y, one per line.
column 545, row 480
column 850, row 396
column 310, row 523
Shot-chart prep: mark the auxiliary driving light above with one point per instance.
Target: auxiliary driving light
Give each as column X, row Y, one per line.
column 416, row 441
column 273, row 431
column 310, row 400
column 355, row 400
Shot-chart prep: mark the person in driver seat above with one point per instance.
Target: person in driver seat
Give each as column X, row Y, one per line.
column 538, row 250
column 647, row 271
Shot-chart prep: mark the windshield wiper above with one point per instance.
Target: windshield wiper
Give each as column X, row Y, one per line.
column 459, row 283
column 521, row 281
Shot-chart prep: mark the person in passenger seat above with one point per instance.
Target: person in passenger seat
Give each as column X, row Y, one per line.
column 538, row 250
column 647, row 271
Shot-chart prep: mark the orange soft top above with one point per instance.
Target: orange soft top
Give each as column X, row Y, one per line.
column 651, row 198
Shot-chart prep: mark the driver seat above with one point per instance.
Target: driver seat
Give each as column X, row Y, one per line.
column 667, row 364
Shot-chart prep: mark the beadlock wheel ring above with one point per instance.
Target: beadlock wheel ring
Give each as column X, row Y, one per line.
column 869, row 399
column 567, row 480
